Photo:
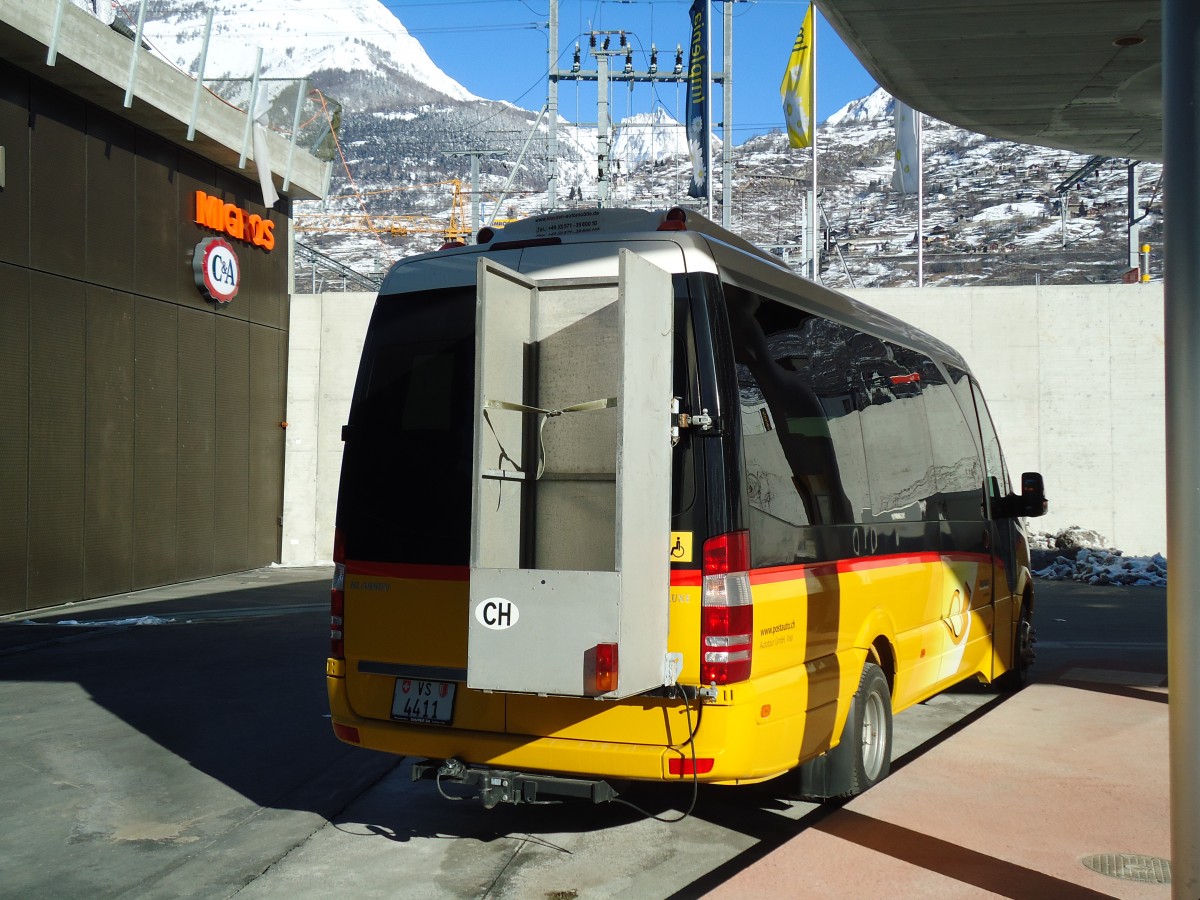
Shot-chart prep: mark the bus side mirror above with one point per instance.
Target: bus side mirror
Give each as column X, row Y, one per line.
column 1033, row 495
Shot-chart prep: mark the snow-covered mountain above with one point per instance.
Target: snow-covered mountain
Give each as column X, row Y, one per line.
column 298, row 38
column 875, row 107
column 649, row 139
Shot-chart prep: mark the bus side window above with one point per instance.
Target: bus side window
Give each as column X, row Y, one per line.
column 802, row 443
column 955, row 452
column 896, row 434
column 995, row 478
column 998, row 483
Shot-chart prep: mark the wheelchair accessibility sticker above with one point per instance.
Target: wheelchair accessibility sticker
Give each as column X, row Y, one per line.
column 681, row 546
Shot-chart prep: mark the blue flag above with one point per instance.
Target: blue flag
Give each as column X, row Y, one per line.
column 698, row 132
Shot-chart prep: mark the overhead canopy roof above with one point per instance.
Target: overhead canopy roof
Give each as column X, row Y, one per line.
column 1083, row 75
column 93, row 62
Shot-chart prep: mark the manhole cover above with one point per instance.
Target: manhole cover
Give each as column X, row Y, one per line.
column 1146, row 869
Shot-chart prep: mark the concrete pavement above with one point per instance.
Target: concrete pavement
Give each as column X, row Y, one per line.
column 1072, row 767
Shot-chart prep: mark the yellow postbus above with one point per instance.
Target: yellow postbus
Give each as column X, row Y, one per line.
column 623, row 499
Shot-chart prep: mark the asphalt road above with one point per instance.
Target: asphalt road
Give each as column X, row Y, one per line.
column 194, row 758
column 174, row 760
column 1078, row 625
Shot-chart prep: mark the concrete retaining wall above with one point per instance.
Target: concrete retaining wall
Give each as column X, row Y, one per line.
column 322, row 365
column 1074, row 377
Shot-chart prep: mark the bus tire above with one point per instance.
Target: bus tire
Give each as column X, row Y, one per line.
column 863, row 757
column 869, row 729
column 1023, row 653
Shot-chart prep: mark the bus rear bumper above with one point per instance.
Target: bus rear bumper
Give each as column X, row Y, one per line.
column 720, row 761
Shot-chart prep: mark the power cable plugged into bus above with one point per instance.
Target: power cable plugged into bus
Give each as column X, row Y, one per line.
column 839, row 536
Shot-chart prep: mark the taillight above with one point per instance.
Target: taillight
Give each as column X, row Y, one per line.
column 674, row 220
column 685, row 766
column 347, row 733
column 337, row 598
column 606, row 668
column 726, row 614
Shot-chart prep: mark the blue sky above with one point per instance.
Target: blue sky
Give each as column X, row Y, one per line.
column 498, row 49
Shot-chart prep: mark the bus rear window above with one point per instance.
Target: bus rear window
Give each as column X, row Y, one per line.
column 405, row 493
column 406, row 482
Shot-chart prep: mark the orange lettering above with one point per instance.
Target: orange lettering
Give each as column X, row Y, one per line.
column 208, row 211
column 233, row 221
column 212, row 212
column 262, row 232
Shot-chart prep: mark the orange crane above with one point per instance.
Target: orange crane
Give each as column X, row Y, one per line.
column 454, row 229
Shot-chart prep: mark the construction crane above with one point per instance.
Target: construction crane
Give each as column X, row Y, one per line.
column 455, row 229
column 391, row 225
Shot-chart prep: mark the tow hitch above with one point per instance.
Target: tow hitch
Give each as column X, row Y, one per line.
column 495, row 786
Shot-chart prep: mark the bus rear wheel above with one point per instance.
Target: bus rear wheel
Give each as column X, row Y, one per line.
column 870, row 729
column 863, row 757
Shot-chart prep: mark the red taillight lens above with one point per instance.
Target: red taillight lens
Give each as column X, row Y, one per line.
column 337, row 609
column 727, row 634
column 675, row 220
column 606, row 668
column 727, row 611
column 727, row 553
column 347, row 733
column 685, row 766
column 337, row 598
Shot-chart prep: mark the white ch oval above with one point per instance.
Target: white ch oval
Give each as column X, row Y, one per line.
column 496, row 613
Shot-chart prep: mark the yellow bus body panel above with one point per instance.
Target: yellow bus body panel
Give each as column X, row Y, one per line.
column 814, row 627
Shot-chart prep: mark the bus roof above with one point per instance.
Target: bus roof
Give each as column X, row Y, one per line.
column 738, row 261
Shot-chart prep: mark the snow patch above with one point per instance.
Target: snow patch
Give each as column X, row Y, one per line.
column 137, row 620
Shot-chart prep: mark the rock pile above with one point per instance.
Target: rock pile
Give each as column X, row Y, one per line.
column 1079, row 554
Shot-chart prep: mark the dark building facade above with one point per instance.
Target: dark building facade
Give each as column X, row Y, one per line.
column 141, row 422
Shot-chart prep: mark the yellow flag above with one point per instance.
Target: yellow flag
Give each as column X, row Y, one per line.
column 796, row 87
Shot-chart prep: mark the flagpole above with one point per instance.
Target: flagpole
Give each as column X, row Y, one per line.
column 812, row 213
column 798, row 90
column 920, row 199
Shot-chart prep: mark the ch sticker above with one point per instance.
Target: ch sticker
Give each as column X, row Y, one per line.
column 681, row 546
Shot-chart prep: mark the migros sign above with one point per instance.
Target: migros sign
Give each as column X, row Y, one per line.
column 215, row 213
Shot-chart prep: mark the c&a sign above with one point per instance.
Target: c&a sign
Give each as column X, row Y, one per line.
column 218, row 273
column 213, row 212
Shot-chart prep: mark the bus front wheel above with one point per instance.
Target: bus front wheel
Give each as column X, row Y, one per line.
column 1023, row 653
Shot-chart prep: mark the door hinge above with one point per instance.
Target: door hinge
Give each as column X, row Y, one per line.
column 682, row 420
